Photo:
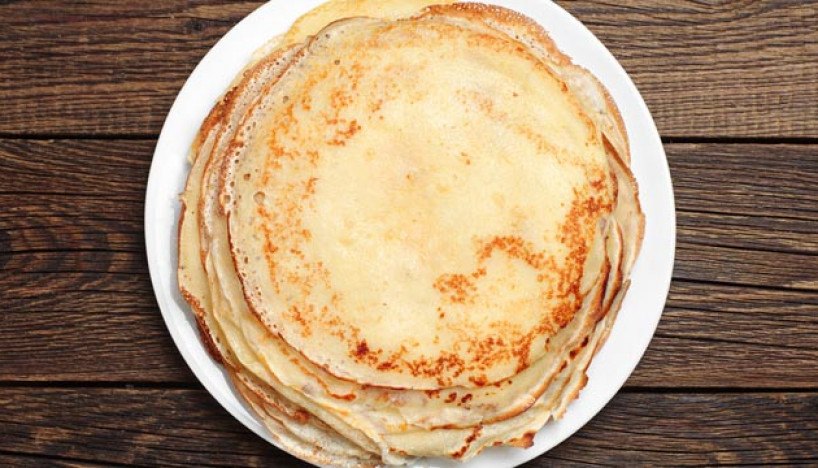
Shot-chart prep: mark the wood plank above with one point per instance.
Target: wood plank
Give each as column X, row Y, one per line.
column 113, row 169
column 732, row 68
column 103, row 329
column 789, row 235
column 78, row 304
column 727, row 336
column 54, row 222
column 745, row 267
column 753, row 180
column 130, row 426
column 102, row 67
column 16, row 459
column 183, row 427
column 725, row 69
column 691, row 429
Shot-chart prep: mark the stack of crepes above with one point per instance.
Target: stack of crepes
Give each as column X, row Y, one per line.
column 407, row 230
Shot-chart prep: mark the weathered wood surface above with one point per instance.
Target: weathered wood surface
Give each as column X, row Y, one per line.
column 90, row 377
column 186, row 427
column 708, row 69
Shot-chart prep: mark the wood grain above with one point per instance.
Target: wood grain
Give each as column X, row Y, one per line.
column 773, row 181
column 734, row 68
column 130, row 426
column 78, row 304
column 693, row 429
column 43, row 460
column 722, row 336
column 709, row 69
column 90, row 377
column 110, row 169
column 102, row 67
column 187, row 427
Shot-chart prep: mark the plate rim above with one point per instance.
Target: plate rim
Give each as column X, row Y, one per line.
column 198, row 360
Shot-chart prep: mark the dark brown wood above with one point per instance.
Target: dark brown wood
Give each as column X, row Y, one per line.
column 694, row 429
column 746, row 267
column 40, row 460
column 187, row 427
column 730, row 68
column 111, row 169
column 90, row 377
column 102, row 67
column 722, row 336
column 720, row 69
column 772, row 181
column 129, row 426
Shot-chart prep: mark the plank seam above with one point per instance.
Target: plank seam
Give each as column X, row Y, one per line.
column 101, row 384
column 762, row 287
column 61, row 458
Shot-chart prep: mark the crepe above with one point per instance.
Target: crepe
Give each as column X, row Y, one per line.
column 481, row 264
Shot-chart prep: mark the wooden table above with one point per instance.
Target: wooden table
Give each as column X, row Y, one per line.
column 89, row 374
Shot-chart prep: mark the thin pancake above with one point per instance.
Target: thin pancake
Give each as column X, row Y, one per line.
column 378, row 213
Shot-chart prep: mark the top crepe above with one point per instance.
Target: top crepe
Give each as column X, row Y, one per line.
column 414, row 219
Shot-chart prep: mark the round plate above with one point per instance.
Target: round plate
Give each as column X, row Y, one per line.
column 642, row 306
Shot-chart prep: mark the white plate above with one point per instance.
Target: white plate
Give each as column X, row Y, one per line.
column 651, row 276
